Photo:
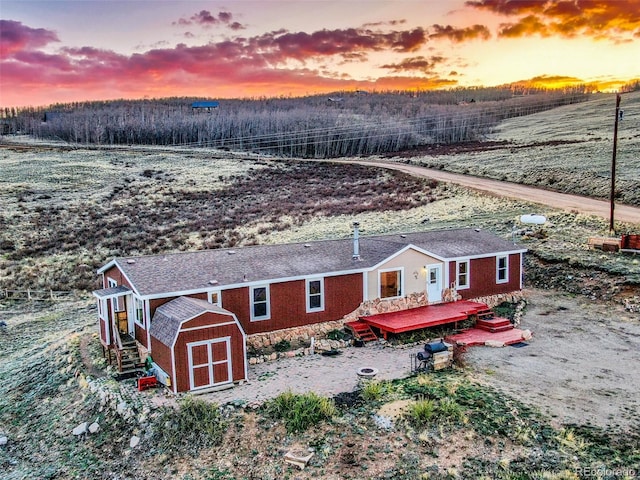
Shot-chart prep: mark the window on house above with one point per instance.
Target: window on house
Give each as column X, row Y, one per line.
column 391, row 284
column 260, row 303
column 138, row 306
column 463, row 274
column 502, row 269
column 215, row 297
column 315, row 295
column 117, row 303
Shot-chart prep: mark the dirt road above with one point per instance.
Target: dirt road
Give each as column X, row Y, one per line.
column 564, row 201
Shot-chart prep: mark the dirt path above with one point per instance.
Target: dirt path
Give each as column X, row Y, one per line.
column 564, row 201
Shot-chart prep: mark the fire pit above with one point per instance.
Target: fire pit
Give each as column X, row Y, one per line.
column 367, row 372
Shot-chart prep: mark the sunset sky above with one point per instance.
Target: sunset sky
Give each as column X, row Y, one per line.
column 60, row 50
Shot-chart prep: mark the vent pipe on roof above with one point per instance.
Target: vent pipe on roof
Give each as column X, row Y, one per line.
column 356, row 241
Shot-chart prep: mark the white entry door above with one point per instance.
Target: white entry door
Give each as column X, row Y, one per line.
column 434, row 283
column 209, row 362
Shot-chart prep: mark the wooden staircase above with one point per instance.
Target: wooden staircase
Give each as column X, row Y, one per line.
column 487, row 321
column 361, row 331
column 128, row 356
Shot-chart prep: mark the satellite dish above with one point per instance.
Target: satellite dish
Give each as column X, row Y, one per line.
column 533, row 219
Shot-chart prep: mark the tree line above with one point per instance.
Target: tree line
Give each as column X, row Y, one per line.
column 318, row 126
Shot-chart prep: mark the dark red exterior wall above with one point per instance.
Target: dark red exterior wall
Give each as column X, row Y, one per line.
column 161, row 354
column 483, row 277
column 288, row 303
column 141, row 335
column 116, row 275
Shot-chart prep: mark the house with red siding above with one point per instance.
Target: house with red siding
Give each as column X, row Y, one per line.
column 192, row 312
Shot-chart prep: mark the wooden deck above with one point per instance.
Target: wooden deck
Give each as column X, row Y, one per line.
column 423, row 317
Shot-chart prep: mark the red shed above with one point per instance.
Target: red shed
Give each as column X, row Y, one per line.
column 198, row 345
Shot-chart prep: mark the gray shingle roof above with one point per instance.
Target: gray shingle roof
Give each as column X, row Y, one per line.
column 187, row 271
column 112, row 292
column 168, row 317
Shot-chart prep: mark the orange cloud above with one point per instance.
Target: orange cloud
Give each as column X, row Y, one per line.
column 615, row 20
column 459, row 35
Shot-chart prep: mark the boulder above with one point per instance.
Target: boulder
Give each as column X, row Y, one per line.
column 94, row 427
column 3, row 440
column 80, row 429
column 135, row 440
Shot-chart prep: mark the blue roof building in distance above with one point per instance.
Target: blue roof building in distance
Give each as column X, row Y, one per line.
column 209, row 104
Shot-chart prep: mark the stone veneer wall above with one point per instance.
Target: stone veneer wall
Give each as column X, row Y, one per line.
column 371, row 307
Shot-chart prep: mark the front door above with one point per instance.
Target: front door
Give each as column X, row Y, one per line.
column 209, row 363
column 434, row 283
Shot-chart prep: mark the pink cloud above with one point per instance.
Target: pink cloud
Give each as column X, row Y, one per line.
column 259, row 64
column 206, row 19
column 14, row 37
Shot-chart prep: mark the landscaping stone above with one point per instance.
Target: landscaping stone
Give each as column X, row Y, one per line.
column 80, row 429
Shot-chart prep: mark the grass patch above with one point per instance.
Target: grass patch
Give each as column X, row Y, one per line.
column 373, row 391
column 195, row 425
column 300, row 411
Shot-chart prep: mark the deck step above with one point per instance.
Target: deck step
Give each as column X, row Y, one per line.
column 361, row 330
column 496, row 324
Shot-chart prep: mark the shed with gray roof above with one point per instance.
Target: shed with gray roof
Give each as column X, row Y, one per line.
column 198, row 345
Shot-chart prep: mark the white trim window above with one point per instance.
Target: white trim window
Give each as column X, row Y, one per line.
column 315, row 294
column 462, row 274
column 215, row 297
column 138, row 312
column 502, row 269
column 259, row 298
column 102, row 308
column 391, row 283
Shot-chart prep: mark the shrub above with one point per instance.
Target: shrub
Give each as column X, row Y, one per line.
column 300, row 411
column 421, row 413
column 450, row 411
column 282, row 346
column 372, row 391
column 194, row 425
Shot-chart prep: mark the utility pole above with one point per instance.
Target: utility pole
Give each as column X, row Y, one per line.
column 613, row 163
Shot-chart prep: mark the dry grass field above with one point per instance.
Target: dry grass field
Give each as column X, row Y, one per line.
column 567, row 149
column 64, row 212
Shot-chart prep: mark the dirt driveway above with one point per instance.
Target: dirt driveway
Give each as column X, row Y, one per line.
column 581, row 366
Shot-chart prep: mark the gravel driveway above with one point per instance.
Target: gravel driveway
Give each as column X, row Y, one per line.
column 326, row 376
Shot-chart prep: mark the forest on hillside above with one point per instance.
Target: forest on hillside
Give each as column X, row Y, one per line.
column 319, row 126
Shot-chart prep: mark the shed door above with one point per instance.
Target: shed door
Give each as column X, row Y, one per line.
column 209, row 363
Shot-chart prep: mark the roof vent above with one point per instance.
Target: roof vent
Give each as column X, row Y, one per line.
column 131, row 261
column 213, row 282
column 307, row 245
column 244, row 278
column 403, row 236
column 231, row 252
column 356, row 241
